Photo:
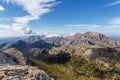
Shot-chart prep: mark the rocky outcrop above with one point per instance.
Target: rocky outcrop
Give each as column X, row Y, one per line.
column 13, row 67
column 8, row 59
column 20, row 72
column 17, row 54
column 38, row 51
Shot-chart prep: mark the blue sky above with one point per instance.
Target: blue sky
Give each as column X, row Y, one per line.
column 59, row 17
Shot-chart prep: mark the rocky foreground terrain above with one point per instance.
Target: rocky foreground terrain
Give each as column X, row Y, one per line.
column 20, row 72
column 13, row 67
column 88, row 56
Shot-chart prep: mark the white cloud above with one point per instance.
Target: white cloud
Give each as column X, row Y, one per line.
column 35, row 8
column 22, row 27
column 83, row 25
column 11, row 33
column 24, row 19
column 1, row 8
column 51, row 35
column 47, row 34
column 5, row 27
column 108, row 29
column 117, row 2
column 115, row 21
column 8, row 31
column 72, row 34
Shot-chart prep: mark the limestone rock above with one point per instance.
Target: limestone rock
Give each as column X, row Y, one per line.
column 20, row 72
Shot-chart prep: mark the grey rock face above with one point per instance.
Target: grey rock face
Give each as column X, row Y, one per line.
column 17, row 54
column 12, row 56
column 20, row 72
column 7, row 59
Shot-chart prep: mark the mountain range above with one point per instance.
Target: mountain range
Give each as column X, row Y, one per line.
column 88, row 56
column 86, row 39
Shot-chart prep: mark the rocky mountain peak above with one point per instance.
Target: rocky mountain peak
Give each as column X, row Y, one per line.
column 93, row 33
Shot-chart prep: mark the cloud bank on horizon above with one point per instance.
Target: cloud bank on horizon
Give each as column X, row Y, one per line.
column 31, row 10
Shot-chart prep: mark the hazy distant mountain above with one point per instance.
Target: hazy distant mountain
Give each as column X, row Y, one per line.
column 115, row 37
column 31, row 42
column 18, row 44
column 5, row 40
